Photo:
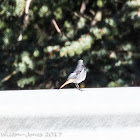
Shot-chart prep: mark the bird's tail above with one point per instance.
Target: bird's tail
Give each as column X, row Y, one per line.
column 66, row 83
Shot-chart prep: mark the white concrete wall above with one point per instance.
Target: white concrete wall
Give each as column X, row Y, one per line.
column 102, row 113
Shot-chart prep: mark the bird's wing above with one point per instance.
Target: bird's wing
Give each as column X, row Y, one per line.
column 79, row 69
column 72, row 75
column 76, row 72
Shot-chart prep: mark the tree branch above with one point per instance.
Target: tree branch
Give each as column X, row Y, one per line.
column 83, row 6
column 56, row 26
column 26, row 19
column 8, row 76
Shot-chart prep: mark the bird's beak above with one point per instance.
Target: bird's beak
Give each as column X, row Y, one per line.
column 66, row 83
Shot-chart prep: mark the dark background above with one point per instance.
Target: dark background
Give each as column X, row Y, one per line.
column 104, row 33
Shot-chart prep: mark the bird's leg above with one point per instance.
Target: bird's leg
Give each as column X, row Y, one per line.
column 77, row 86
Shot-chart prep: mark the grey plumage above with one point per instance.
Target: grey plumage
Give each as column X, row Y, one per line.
column 78, row 75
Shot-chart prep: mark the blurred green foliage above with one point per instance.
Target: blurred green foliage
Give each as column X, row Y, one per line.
column 104, row 33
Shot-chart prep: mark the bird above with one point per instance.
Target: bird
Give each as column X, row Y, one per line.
column 77, row 76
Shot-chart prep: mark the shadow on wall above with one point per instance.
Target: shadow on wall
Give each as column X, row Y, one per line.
column 69, row 122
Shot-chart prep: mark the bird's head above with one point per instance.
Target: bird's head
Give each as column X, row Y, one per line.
column 80, row 61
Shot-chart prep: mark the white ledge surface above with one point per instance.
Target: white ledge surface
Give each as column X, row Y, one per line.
column 94, row 113
column 70, row 101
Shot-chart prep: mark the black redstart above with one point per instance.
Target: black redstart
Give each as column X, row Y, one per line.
column 77, row 76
